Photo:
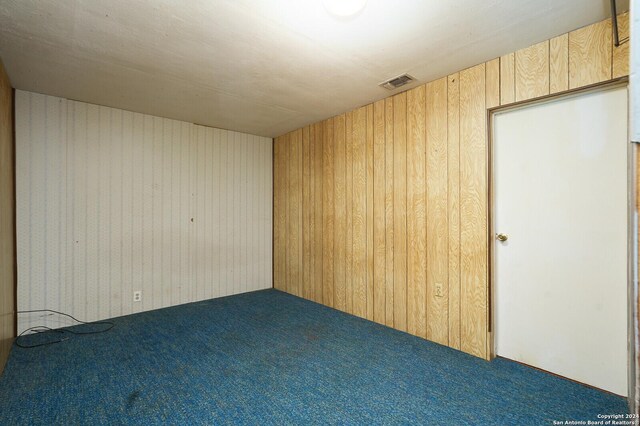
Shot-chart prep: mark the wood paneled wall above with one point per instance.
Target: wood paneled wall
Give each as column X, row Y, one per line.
column 7, row 220
column 110, row 202
column 382, row 212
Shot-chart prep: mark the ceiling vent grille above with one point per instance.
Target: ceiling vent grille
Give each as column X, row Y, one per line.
column 398, row 81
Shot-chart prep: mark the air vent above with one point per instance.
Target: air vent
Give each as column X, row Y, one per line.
column 398, row 81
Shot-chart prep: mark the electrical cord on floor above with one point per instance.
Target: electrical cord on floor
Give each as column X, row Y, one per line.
column 38, row 329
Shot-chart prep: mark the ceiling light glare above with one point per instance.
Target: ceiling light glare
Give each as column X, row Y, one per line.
column 344, row 8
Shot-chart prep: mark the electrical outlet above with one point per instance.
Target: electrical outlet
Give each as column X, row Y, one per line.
column 137, row 296
column 439, row 290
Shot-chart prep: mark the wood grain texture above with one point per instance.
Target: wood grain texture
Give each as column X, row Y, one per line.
column 621, row 53
column 379, row 213
column 294, row 219
column 307, row 185
column 507, row 79
column 340, row 215
column 453, row 207
column 369, row 199
column 532, row 71
column 590, row 54
column 406, row 185
column 493, row 83
column 416, row 212
column 437, row 210
column 279, row 213
column 328, row 185
column 349, row 212
column 388, row 211
column 7, row 219
column 400, row 211
column 360, row 212
column 286, row 149
column 318, row 218
column 473, row 212
column 559, row 64
column 310, row 207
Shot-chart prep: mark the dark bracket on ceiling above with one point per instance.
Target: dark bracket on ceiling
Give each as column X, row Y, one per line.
column 614, row 18
column 614, row 21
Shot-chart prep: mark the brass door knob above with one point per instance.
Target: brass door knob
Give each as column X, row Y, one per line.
column 502, row 237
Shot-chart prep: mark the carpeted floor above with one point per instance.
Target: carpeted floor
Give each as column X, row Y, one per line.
column 271, row 358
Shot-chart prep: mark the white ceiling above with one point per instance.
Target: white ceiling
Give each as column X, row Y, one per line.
column 261, row 66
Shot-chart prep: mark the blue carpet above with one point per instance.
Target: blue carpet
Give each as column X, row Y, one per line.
column 271, row 358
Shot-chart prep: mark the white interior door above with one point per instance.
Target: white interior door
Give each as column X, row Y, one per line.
column 560, row 279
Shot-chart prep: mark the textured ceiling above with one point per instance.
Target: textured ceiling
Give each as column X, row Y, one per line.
column 260, row 66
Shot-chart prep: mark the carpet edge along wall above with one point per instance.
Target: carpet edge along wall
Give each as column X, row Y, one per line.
column 7, row 219
column 381, row 212
column 110, row 202
column 267, row 357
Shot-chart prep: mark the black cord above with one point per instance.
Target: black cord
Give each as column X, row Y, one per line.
column 38, row 329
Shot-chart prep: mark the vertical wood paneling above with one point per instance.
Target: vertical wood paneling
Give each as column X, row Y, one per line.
column 279, row 214
column 532, row 71
column 369, row 200
column 621, row 53
column 437, row 255
column 340, row 196
column 307, row 230
column 294, row 209
column 389, row 211
column 379, row 215
column 400, row 212
column 328, row 185
column 318, row 182
column 406, row 179
column 590, row 54
column 473, row 211
column 308, row 173
column 104, row 198
column 559, row 64
column 493, row 83
column 359, row 277
column 507, row 79
column 288, row 212
column 416, row 213
column 453, row 206
column 348, row 252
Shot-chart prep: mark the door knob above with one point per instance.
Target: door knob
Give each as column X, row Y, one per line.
column 502, row 237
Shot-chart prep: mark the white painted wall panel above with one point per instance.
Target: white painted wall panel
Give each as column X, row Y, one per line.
column 110, row 201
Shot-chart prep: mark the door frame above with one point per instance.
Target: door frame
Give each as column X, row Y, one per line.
column 631, row 222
